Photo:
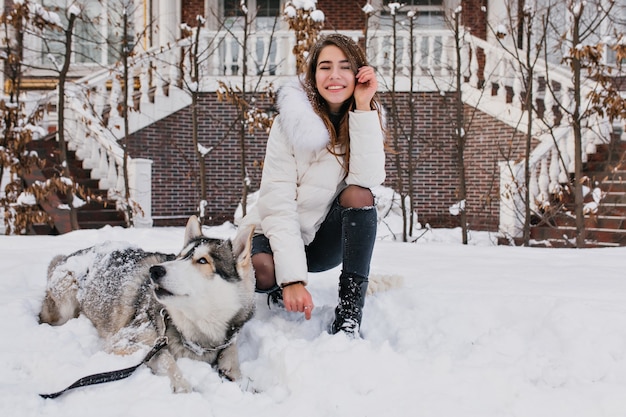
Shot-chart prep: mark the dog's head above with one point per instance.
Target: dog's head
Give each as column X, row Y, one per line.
column 211, row 281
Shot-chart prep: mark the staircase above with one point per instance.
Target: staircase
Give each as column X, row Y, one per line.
column 605, row 204
column 98, row 211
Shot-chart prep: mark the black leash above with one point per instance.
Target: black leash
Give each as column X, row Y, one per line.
column 113, row 375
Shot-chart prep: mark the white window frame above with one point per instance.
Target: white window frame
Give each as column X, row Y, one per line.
column 35, row 53
column 377, row 21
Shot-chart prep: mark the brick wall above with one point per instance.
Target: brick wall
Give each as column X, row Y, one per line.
column 473, row 17
column 488, row 140
column 436, row 177
column 174, row 172
column 191, row 9
column 340, row 15
column 343, row 15
column 175, row 182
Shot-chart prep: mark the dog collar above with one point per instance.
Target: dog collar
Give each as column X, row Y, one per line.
column 193, row 346
column 201, row 350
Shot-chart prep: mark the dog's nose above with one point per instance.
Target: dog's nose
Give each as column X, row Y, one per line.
column 156, row 272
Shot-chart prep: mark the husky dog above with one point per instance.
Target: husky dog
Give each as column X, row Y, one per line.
column 199, row 299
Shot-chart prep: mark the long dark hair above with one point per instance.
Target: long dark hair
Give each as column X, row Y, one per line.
column 339, row 140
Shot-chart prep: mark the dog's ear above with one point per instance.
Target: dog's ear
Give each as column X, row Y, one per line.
column 193, row 229
column 242, row 246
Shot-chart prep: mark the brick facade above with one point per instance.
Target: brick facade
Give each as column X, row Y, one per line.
column 343, row 15
column 340, row 15
column 174, row 171
column 191, row 9
column 474, row 17
column 175, row 180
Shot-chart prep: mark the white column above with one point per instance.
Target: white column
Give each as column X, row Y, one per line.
column 169, row 21
column 510, row 202
column 140, row 184
column 6, row 178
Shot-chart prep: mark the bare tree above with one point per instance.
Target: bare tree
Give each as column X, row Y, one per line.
column 582, row 29
column 568, row 105
column 63, row 71
column 402, row 169
column 465, row 70
column 126, row 52
column 307, row 24
column 250, row 116
column 460, row 131
column 31, row 18
column 194, row 54
column 404, row 139
column 531, row 30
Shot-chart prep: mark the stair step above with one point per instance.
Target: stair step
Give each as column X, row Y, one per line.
column 614, row 186
column 614, row 197
column 96, row 213
column 592, row 221
column 594, row 235
column 607, row 222
column 612, row 209
column 98, row 224
column 562, row 243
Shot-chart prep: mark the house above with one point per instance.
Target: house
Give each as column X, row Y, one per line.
column 164, row 171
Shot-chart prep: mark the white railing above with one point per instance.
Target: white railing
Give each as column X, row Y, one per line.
column 94, row 123
column 159, row 89
column 552, row 161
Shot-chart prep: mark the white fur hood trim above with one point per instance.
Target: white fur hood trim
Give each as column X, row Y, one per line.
column 304, row 128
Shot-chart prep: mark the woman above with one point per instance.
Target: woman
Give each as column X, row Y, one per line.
column 315, row 209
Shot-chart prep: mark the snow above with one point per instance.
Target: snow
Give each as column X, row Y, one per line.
column 204, row 150
column 470, row 330
column 73, row 10
column 47, row 16
column 393, row 7
column 368, row 8
column 290, row 12
column 577, row 8
column 26, row 199
column 304, row 4
column 457, row 208
column 501, row 30
column 318, row 16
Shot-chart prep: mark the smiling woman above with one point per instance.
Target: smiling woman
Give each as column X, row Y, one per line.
column 334, row 77
column 315, row 209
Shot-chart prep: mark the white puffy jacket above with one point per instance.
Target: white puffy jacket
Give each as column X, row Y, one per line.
column 301, row 177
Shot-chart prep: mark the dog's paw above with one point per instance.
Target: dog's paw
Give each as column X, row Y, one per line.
column 230, row 374
column 180, row 386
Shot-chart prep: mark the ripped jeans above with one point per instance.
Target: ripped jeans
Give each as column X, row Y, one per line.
column 346, row 235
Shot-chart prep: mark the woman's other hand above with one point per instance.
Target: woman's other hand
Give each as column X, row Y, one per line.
column 298, row 299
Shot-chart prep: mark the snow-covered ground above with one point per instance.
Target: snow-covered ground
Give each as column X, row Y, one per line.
column 476, row 330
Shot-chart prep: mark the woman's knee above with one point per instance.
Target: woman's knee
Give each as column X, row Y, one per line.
column 263, row 264
column 354, row 196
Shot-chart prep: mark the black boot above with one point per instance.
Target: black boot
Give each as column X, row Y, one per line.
column 349, row 311
column 358, row 234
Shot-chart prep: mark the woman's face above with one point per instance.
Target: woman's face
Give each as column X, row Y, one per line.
column 334, row 77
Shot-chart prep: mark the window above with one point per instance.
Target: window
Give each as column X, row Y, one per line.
column 428, row 13
column 97, row 33
column 262, row 16
column 259, row 8
column 427, row 18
